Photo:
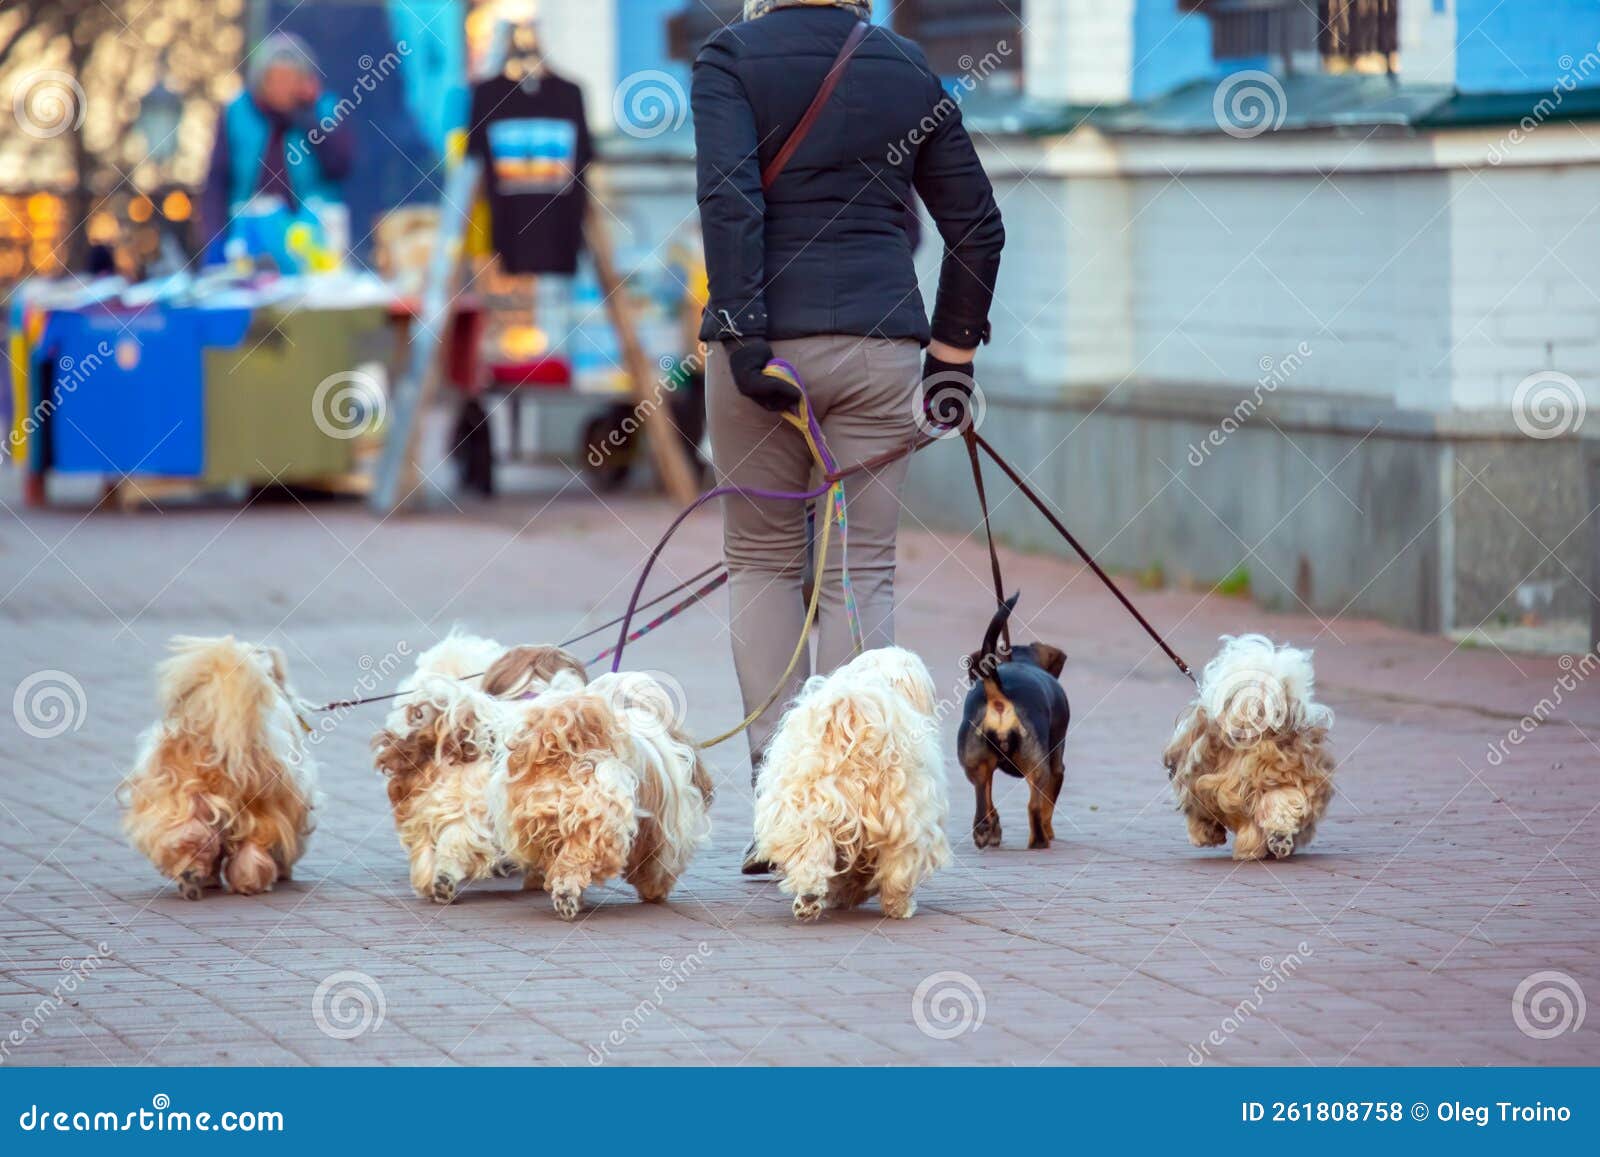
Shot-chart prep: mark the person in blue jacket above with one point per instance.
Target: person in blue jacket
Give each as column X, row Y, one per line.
column 282, row 140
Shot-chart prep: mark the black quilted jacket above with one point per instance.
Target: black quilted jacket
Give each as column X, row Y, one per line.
column 826, row 251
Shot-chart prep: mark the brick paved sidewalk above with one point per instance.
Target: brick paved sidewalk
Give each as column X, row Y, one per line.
column 1438, row 885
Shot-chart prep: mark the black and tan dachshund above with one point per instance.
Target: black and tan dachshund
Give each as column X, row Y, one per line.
column 1014, row 720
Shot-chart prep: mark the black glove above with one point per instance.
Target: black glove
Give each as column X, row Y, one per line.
column 748, row 357
column 947, row 392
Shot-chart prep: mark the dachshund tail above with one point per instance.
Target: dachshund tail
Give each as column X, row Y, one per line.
column 987, row 661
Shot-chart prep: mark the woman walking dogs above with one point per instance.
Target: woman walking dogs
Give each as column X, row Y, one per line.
column 812, row 130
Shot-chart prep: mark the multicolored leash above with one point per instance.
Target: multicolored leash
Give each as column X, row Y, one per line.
column 721, row 577
column 671, row 612
column 804, row 421
column 779, row 368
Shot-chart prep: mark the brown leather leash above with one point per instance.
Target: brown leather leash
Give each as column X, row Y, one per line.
column 969, row 436
column 802, row 129
column 976, row 442
column 1061, row 529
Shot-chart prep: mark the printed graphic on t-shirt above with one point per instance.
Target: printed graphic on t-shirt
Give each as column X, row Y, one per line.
column 533, row 155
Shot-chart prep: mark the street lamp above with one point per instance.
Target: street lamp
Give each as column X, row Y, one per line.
column 159, row 114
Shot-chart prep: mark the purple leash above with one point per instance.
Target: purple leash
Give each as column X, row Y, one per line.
column 780, row 369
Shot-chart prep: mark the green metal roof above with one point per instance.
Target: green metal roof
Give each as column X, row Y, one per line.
column 1288, row 104
column 1498, row 108
column 1308, row 102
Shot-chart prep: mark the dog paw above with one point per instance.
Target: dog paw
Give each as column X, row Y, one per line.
column 1038, row 843
column 986, row 835
column 445, row 889
column 566, row 904
column 1208, row 835
column 808, row 907
column 505, row 869
column 190, row 886
column 900, row 911
column 1281, row 845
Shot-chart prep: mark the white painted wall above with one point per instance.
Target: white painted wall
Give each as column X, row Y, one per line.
column 1526, row 284
column 1233, row 273
column 1422, row 279
column 1079, row 50
column 1428, row 42
column 1419, row 276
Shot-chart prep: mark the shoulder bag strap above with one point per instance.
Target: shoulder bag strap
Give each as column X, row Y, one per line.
column 829, row 83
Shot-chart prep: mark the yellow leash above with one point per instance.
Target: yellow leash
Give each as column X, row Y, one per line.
column 800, row 423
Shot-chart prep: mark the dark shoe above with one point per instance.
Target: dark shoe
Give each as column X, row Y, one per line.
column 753, row 865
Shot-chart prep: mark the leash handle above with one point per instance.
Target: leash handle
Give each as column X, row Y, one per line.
column 1061, row 529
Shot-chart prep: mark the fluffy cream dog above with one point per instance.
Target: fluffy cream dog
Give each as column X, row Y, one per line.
column 438, row 746
column 459, row 655
column 224, row 788
column 436, row 751
column 851, row 799
column 1250, row 755
column 599, row 781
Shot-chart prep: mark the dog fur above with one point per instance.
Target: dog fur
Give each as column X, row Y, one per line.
column 436, row 751
column 529, row 670
column 438, row 747
column 851, row 799
column 459, row 655
column 599, row 781
column 1014, row 720
column 1250, row 755
column 223, row 788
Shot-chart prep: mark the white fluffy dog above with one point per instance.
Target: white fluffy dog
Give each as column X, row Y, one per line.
column 599, row 781
column 439, row 744
column 458, row 655
column 223, row 789
column 1250, row 754
column 851, row 799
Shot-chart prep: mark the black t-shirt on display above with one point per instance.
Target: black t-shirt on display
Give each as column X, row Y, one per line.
column 534, row 145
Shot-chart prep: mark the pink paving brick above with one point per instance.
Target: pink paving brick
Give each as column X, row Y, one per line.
column 1438, row 884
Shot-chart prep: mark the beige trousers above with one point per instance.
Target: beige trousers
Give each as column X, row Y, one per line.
column 862, row 391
